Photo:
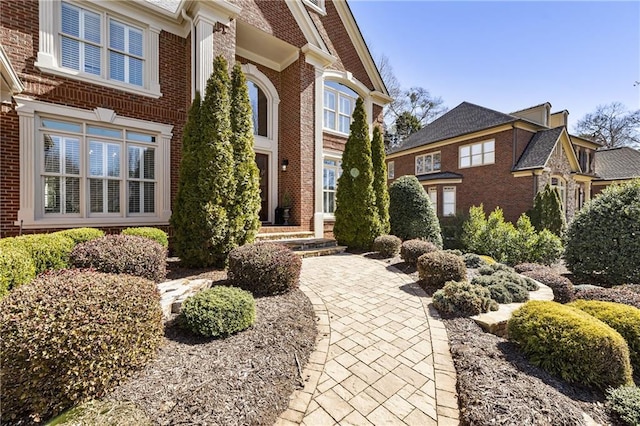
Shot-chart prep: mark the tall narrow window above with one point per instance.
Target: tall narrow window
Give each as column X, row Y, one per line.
column 433, row 196
column 258, row 109
column 449, row 201
column 125, row 53
column 141, row 179
column 391, row 170
column 61, row 174
column 331, row 172
column 104, row 181
column 339, row 102
column 80, row 41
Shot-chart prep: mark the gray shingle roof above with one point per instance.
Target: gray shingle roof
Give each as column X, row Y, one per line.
column 442, row 175
column 617, row 163
column 463, row 119
column 539, row 149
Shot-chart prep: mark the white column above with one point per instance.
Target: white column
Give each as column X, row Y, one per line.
column 153, row 66
column 165, row 147
column 318, row 216
column 204, row 58
column 48, row 13
column 27, row 164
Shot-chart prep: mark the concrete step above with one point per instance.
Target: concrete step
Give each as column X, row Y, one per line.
column 271, row 236
column 307, row 243
column 326, row 251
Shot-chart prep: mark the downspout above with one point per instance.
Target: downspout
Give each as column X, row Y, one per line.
column 193, row 53
column 515, row 144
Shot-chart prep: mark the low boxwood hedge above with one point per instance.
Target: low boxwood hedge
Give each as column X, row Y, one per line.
column 571, row 344
column 622, row 318
column 16, row 268
column 155, row 234
column 82, row 235
column 463, row 299
column 48, row 251
column 438, row 267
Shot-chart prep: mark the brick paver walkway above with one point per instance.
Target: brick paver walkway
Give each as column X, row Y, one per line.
column 382, row 355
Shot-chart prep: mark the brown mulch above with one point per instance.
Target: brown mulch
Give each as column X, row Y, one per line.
column 244, row 379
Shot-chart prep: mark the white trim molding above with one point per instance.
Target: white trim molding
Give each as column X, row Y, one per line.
column 10, row 80
column 31, row 216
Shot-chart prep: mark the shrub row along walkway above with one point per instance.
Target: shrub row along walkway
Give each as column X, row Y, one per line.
column 382, row 355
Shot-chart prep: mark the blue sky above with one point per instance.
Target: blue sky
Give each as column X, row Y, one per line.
column 510, row 55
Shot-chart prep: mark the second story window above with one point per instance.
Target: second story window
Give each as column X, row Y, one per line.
column 478, row 154
column 125, row 53
column 428, row 163
column 339, row 102
column 80, row 40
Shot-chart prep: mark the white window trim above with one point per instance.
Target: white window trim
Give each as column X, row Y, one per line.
column 337, row 111
column 423, row 156
column 433, row 196
column 470, row 146
column 29, row 217
column 317, row 5
column 49, row 51
column 391, row 170
column 445, row 190
column 332, row 156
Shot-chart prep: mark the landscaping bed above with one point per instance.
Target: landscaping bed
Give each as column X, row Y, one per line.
column 245, row 378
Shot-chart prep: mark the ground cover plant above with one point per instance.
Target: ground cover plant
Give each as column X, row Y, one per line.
column 463, row 299
column 625, row 403
column 71, row 335
column 100, row 413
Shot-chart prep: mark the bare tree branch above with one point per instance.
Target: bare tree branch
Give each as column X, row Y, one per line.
column 612, row 125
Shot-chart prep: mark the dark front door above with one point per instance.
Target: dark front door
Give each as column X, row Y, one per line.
column 262, row 160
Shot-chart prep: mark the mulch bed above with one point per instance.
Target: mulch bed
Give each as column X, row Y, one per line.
column 243, row 379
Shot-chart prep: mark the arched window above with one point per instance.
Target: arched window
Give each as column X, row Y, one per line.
column 561, row 185
column 339, row 102
column 259, row 109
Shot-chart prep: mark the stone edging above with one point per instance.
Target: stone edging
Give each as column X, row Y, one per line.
column 300, row 398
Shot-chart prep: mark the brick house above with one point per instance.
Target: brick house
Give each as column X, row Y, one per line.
column 473, row 155
column 95, row 95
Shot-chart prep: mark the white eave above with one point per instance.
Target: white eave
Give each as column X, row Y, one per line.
column 308, row 28
column 9, row 75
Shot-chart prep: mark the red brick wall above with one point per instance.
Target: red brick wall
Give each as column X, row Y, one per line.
column 492, row 185
column 20, row 34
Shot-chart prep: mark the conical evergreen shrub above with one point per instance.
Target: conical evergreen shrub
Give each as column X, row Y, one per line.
column 547, row 211
column 380, row 179
column 357, row 223
column 243, row 218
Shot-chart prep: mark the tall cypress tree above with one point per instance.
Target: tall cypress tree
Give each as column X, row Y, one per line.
column 243, row 218
column 357, row 223
column 548, row 212
column 380, row 179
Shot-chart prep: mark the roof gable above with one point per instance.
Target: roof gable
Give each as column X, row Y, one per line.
column 541, row 147
column 464, row 119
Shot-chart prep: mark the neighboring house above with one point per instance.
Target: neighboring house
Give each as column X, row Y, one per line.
column 615, row 165
column 95, row 95
column 473, row 155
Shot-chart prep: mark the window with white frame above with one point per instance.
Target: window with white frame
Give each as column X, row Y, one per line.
column 428, row 163
column 331, row 172
column 449, row 201
column 339, row 102
column 316, row 4
column 391, row 170
column 89, row 169
column 433, row 196
column 259, row 115
column 477, row 154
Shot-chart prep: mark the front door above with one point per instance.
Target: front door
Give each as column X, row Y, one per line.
column 262, row 160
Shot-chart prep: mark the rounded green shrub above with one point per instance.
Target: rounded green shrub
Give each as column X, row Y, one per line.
column 48, row 251
column 155, row 234
column 603, row 240
column 464, row 299
column 387, row 245
column 16, row 268
column 625, row 403
column 219, row 311
column 264, row 269
column 411, row 250
column 571, row 344
column 504, row 277
column 624, row 319
column 561, row 286
column 99, row 413
column 123, row 254
column 81, row 235
column 474, row 261
column 71, row 335
column 438, row 267
column 504, row 287
column 410, row 212
column 616, row 295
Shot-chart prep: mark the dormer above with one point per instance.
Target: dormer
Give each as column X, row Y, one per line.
column 539, row 114
column 560, row 118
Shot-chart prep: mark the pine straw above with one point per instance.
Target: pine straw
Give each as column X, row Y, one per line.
column 243, row 379
column 498, row 386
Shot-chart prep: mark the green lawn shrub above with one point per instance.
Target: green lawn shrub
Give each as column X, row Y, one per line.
column 387, row 245
column 438, row 267
column 155, row 234
column 474, row 261
column 411, row 250
column 219, row 311
column 16, row 268
column 123, row 254
column 501, row 273
column 571, row 344
column 48, row 251
column 264, row 269
column 100, row 413
column 616, row 295
column 622, row 318
column 81, row 235
column 505, row 287
column 603, row 240
column 71, row 335
column 463, row 299
column 410, row 212
column 561, row 286
column 625, row 403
